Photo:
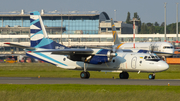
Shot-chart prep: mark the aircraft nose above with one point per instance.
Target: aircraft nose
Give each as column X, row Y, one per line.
column 162, row 66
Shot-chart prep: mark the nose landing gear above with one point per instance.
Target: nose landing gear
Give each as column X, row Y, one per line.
column 151, row 76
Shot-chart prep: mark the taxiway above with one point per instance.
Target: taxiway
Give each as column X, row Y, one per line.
column 31, row 80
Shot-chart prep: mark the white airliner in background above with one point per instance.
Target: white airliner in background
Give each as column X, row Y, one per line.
column 159, row 48
column 105, row 60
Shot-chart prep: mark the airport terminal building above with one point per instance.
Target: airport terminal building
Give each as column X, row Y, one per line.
column 72, row 28
column 15, row 27
column 57, row 23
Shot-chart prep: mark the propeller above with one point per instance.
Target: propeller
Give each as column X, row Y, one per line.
column 151, row 50
column 113, row 52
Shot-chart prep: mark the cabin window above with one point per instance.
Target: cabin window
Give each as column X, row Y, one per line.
column 168, row 47
column 145, row 57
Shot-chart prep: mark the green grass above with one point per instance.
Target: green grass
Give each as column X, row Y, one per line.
column 48, row 70
column 77, row 92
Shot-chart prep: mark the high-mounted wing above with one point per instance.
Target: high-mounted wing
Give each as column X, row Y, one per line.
column 68, row 51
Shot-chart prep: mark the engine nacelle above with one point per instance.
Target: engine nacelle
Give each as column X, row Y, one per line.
column 101, row 57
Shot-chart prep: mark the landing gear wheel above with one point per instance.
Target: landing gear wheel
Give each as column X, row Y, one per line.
column 151, row 76
column 85, row 75
column 124, row 75
column 88, row 75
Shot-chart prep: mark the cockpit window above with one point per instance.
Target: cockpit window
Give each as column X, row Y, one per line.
column 157, row 57
column 168, row 47
column 145, row 57
column 151, row 58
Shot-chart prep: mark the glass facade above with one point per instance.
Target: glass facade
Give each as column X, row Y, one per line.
column 70, row 24
column 95, row 39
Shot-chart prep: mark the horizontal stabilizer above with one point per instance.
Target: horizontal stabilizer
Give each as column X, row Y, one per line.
column 20, row 46
column 67, row 51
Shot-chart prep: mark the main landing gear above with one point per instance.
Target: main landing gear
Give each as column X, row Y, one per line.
column 151, row 76
column 124, row 75
column 84, row 74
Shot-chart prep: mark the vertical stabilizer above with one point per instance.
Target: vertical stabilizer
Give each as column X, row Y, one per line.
column 115, row 35
column 39, row 37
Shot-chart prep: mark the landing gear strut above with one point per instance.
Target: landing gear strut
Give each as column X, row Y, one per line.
column 124, row 75
column 84, row 74
column 151, row 76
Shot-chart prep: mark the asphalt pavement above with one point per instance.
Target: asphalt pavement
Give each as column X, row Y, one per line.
column 90, row 81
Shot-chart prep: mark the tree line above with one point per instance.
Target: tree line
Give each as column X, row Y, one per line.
column 150, row 28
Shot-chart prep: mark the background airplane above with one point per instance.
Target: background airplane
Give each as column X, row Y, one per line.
column 159, row 48
column 107, row 60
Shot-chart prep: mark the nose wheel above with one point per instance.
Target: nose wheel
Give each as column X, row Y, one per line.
column 151, row 76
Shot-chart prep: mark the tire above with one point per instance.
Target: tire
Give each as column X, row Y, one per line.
column 88, row 75
column 151, row 77
column 124, row 75
column 121, row 76
column 83, row 75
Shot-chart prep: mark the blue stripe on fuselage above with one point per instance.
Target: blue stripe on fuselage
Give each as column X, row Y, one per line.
column 39, row 58
column 49, row 58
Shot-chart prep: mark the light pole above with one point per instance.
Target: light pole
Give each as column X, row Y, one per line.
column 165, row 21
column 177, row 22
column 115, row 15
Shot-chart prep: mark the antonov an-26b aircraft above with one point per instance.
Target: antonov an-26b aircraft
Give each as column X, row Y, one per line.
column 106, row 60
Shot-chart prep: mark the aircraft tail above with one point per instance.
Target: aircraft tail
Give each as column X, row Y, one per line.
column 39, row 37
column 115, row 35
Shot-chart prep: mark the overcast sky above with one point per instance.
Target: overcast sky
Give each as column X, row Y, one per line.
column 148, row 10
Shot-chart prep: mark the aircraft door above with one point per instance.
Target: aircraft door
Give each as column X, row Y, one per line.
column 133, row 62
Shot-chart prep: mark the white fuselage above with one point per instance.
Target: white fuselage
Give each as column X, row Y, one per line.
column 129, row 62
column 164, row 47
